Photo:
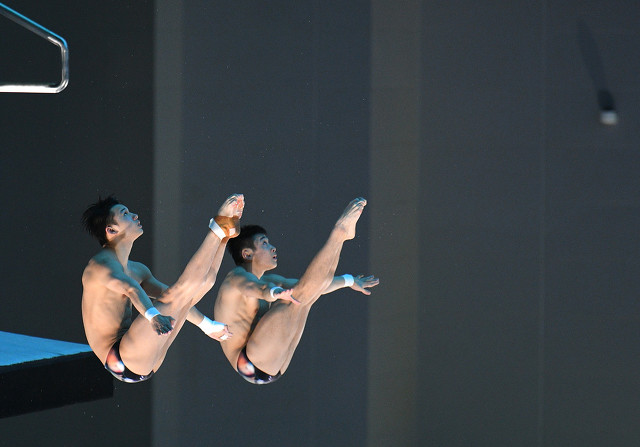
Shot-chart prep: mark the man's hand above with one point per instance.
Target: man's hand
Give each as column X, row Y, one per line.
column 162, row 324
column 361, row 283
column 284, row 294
column 221, row 335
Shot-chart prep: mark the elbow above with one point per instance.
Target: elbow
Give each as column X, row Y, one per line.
column 132, row 292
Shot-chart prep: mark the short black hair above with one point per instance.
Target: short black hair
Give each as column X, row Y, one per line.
column 96, row 218
column 244, row 240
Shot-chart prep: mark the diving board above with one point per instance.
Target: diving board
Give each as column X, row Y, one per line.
column 39, row 373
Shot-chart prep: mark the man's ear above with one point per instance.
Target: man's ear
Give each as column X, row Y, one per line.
column 247, row 254
column 111, row 230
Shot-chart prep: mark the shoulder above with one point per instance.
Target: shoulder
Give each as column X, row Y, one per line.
column 237, row 274
column 287, row 283
column 101, row 265
column 139, row 268
column 238, row 271
column 101, row 261
column 237, row 278
column 271, row 277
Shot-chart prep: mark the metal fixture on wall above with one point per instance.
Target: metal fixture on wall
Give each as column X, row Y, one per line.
column 45, row 34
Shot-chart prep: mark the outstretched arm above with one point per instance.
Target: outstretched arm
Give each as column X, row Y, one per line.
column 359, row 283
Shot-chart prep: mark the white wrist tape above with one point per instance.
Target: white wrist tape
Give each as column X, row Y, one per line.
column 348, row 280
column 209, row 326
column 216, row 229
column 275, row 290
column 151, row 312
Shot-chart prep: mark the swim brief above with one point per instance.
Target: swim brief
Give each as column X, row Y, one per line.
column 126, row 375
column 258, row 376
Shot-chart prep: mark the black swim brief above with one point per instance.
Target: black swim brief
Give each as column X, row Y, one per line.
column 258, row 376
column 126, row 375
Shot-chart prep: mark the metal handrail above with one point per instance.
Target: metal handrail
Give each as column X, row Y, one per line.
column 51, row 37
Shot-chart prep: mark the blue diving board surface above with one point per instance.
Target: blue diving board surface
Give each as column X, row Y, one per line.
column 38, row 374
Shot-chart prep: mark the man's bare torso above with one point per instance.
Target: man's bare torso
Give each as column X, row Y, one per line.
column 106, row 314
column 238, row 311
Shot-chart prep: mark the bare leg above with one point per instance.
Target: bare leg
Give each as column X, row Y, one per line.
column 278, row 333
column 297, row 335
column 142, row 349
column 210, row 277
column 208, row 284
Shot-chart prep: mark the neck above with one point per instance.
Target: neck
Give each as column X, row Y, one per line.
column 251, row 268
column 122, row 249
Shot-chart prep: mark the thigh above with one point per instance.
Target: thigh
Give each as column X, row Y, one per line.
column 142, row 349
column 141, row 345
column 273, row 335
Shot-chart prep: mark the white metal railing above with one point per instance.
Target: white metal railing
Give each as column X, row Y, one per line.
column 45, row 34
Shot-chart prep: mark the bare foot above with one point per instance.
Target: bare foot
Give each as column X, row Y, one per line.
column 233, row 206
column 347, row 222
column 225, row 224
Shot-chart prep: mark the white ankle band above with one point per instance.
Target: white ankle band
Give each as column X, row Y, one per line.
column 348, row 280
column 209, row 326
column 216, row 229
column 151, row 312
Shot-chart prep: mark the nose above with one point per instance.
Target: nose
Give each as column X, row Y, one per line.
column 135, row 217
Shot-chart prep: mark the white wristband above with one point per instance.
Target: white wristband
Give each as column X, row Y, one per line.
column 348, row 280
column 209, row 326
column 216, row 229
column 151, row 312
column 272, row 292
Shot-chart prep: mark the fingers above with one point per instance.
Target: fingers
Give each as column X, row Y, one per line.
column 225, row 335
column 165, row 325
column 370, row 281
column 366, row 282
column 287, row 296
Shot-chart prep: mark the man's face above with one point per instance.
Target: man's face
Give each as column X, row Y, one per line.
column 264, row 254
column 125, row 221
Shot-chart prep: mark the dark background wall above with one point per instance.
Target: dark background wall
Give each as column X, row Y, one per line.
column 58, row 153
column 530, row 211
column 274, row 105
column 510, row 311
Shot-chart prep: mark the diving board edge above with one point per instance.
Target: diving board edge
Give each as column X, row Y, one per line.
column 51, row 383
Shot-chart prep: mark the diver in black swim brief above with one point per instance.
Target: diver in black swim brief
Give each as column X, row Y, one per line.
column 117, row 368
column 268, row 312
column 252, row 373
